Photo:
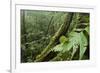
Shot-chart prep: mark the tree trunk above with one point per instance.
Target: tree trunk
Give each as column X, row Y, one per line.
column 49, row 25
column 24, row 27
column 61, row 31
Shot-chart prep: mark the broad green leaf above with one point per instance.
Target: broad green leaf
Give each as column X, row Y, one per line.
column 81, row 40
column 83, row 43
column 67, row 47
column 75, row 40
column 58, row 47
column 63, row 47
column 75, row 47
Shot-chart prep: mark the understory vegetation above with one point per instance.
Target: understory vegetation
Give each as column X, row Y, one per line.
column 54, row 36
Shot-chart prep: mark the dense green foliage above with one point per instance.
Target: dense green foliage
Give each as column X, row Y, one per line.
column 54, row 36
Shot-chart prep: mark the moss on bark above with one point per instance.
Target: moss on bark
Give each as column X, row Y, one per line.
column 61, row 31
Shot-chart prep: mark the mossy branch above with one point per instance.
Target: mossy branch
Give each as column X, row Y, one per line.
column 61, row 31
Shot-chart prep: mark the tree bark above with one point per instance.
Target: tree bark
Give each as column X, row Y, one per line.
column 24, row 27
column 61, row 31
column 49, row 24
